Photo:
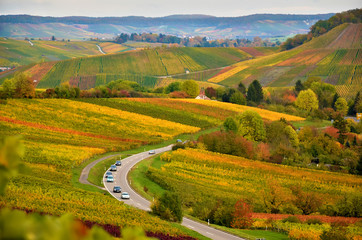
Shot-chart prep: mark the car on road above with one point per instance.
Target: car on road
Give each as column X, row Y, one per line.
column 108, row 174
column 113, row 168
column 152, row 152
column 178, row 141
column 125, row 195
column 118, row 163
column 110, row 179
column 117, row 189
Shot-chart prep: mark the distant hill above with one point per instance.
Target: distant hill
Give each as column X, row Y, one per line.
column 142, row 66
column 263, row 25
column 336, row 57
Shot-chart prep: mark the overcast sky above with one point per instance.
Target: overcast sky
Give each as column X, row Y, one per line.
column 158, row 8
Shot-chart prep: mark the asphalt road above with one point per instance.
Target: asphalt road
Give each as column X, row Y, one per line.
column 120, row 179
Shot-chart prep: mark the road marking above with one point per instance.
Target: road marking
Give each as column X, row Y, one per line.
column 190, row 226
column 209, row 233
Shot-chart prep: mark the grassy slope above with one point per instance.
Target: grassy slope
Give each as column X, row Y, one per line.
column 315, row 58
column 20, row 51
column 153, row 62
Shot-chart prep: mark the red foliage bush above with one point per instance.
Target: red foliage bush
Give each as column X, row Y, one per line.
column 242, row 215
column 179, row 94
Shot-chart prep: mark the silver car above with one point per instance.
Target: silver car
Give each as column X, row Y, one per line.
column 110, row 179
column 152, row 152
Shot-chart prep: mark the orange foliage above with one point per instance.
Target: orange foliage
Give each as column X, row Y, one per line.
column 303, row 218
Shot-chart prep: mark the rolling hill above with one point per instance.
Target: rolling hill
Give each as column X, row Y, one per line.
column 22, row 52
column 262, row 25
column 140, row 66
column 80, row 130
column 336, row 57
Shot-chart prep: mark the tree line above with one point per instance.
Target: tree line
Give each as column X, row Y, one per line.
column 196, row 41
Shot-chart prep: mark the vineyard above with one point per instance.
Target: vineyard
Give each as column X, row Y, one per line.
column 335, row 57
column 217, row 176
column 91, row 81
column 202, row 177
column 109, row 47
column 149, row 62
column 61, row 134
column 68, row 116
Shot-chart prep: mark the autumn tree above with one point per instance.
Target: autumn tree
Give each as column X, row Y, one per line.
column 274, row 197
column 251, row 126
column 341, row 106
column 238, row 98
column 292, row 135
column 8, row 88
column 210, row 92
column 308, row 202
column 307, row 100
column 242, row 216
column 24, row 87
column 191, row 88
column 230, row 124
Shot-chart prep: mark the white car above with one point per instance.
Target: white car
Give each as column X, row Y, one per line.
column 125, row 195
column 152, row 152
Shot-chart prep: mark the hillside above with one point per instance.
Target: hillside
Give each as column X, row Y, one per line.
column 80, row 130
column 263, row 25
column 22, row 52
column 335, row 57
column 139, row 65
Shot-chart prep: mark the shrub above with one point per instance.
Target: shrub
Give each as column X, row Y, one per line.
column 291, row 219
column 334, row 234
column 168, row 207
column 314, row 221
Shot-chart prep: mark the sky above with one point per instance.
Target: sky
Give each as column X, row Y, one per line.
column 159, row 8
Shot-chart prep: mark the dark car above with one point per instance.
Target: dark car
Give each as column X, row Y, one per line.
column 108, row 174
column 118, row 163
column 113, row 168
column 117, row 189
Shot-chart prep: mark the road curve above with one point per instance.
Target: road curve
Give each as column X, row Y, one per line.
column 120, row 179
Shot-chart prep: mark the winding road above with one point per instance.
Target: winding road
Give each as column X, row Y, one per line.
column 136, row 200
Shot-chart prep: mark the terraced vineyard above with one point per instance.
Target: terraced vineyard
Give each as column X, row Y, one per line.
column 217, row 176
column 335, row 57
column 145, row 63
